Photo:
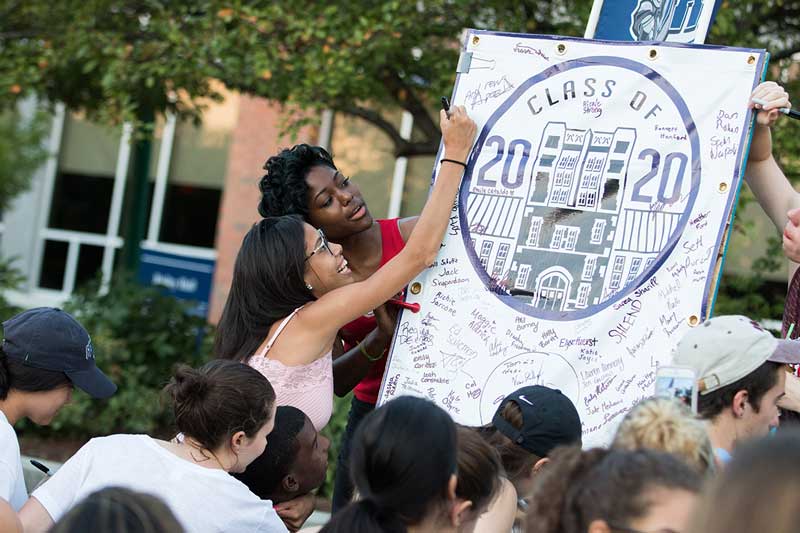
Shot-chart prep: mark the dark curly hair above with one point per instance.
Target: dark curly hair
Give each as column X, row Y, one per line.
column 615, row 486
column 283, row 188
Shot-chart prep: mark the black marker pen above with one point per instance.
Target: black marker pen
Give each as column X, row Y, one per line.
column 41, row 467
column 788, row 111
column 446, row 105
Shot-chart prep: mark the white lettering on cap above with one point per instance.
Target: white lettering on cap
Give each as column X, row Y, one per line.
column 89, row 350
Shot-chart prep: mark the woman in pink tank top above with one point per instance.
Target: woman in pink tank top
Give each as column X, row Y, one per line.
column 292, row 290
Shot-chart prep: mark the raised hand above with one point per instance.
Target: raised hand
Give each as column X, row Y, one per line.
column 776, row 98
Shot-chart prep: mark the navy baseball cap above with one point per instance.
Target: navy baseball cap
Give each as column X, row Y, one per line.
column 549, row 419
column 51, row 339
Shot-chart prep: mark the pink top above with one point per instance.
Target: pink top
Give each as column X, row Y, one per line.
column 307, row 387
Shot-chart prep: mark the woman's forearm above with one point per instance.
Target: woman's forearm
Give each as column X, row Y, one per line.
column 352, row 366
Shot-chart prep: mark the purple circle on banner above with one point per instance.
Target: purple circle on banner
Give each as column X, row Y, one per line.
column 564, row 221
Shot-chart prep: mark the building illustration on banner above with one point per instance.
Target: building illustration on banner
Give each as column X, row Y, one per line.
column 578, row 237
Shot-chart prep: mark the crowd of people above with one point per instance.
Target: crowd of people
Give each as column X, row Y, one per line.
column 308, row 317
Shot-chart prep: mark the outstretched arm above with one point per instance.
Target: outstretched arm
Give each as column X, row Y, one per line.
column 765, row 178
column 340, row 306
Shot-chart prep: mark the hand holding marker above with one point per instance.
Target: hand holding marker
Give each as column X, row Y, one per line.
column 788, row 111
column 414, row 307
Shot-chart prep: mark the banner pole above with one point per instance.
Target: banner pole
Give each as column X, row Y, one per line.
column 704, row 23
column 594, row 16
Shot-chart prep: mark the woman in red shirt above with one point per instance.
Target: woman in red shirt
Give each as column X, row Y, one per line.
column 304, row 181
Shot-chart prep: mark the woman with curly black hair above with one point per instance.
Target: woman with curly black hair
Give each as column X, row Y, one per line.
column 289, row 279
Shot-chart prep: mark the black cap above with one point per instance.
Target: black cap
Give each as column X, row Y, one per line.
column 549, row 419
column 51, row 339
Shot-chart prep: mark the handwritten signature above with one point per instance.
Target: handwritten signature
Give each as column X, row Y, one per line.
column 490, row 90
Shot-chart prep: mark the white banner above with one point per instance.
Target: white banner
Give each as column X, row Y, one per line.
column 584, row 240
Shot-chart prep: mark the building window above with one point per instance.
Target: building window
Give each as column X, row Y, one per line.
column 593, row 164
column 486, row 251
column 547, row 160
column 552, row 141
column 558, row 236
column 583, row 294
column 535, row 229
column 500, row 260
column 522, row 276
column 649, row 263
column 598, row 229
column 621, row 147
column 616, row 272
column 572, row 238
column 589, row 264
column 615, row 167
column 560, row 196
column 636, row 263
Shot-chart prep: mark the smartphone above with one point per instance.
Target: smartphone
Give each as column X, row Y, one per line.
column 677, row 382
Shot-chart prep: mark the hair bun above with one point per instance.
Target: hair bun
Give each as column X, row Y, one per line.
column 188, row 386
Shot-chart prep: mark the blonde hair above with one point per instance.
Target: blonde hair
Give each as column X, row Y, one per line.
column 667, row 425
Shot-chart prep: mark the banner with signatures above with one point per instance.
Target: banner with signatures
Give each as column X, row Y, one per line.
column 684, row 21
column 584, row 239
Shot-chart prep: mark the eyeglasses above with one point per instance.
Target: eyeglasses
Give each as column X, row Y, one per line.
column 323, row 245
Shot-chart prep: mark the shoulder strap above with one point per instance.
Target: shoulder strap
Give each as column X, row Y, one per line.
column 278, row 331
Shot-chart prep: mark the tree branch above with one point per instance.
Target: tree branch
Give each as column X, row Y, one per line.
column 375, row 118
column 409, row 101
column 402, row 147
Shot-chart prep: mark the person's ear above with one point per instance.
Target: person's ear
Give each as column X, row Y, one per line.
column 599, row 526
column 237, row 441
column 739, row 403
column 537, row 467
column 459, row 512
column 458, row 507
column 290, row 484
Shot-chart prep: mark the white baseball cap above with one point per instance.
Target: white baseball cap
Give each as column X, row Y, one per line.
column 725, row 349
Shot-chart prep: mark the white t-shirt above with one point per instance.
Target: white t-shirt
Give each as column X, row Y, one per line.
column 203, row 499
column 12, row 480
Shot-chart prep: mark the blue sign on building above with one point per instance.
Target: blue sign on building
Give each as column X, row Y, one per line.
column 181, row 276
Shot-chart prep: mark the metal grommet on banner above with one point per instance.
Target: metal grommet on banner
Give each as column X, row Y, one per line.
column 653, row 54
column 561, row 49
column 415, row 287
column 723, row 187
column 751, row 60
column 475, row 39
column 694, row 320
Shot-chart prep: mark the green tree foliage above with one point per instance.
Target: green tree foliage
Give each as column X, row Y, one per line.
column 21, row 152
column 115, row 59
